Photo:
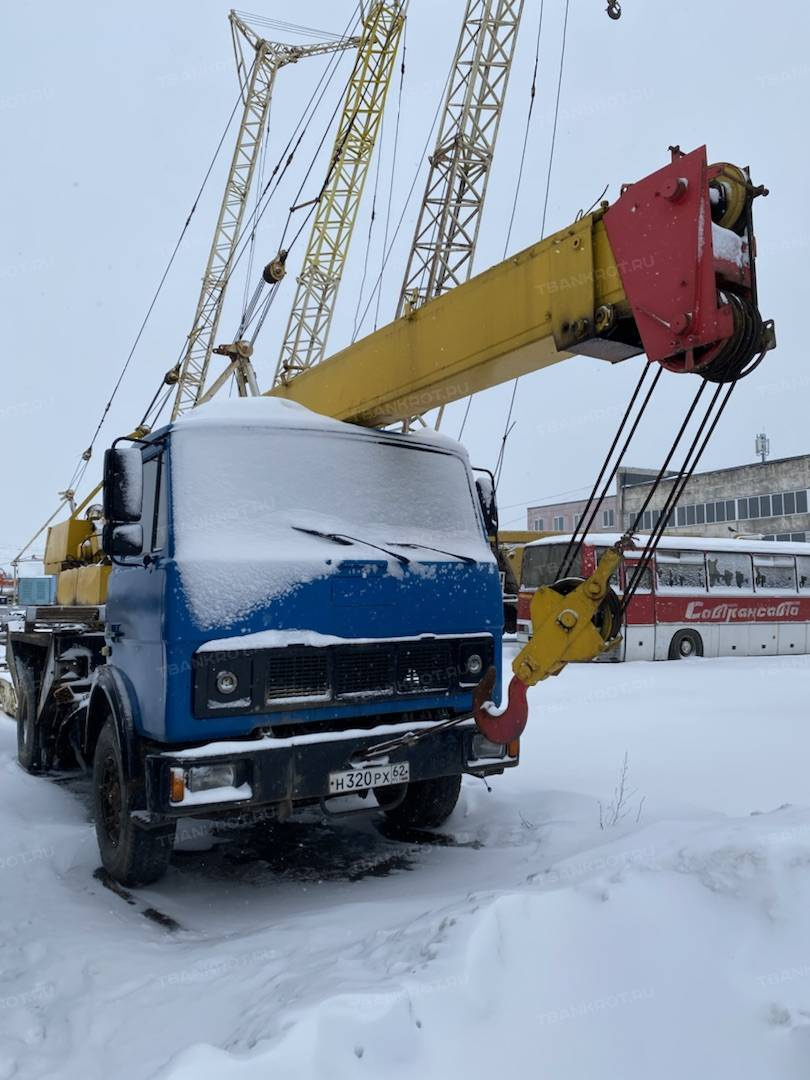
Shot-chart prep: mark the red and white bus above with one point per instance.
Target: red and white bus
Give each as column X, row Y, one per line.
column 699, row 597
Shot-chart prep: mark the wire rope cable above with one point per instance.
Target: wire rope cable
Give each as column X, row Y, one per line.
column 85, row 457
column 532, row 96
column 406, row 204
column 509, row 426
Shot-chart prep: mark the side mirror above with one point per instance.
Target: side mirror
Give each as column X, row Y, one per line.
column 485, row 486
column 122, row 539
column 123, row 485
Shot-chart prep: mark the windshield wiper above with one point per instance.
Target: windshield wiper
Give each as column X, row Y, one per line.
column 345, row 539
column 441, row 551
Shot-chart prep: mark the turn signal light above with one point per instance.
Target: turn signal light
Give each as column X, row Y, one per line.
column 177, row 785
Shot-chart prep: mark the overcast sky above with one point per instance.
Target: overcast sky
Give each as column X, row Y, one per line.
column 110, row 116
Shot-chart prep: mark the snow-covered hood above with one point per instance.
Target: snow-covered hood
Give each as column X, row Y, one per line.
column 268, row 498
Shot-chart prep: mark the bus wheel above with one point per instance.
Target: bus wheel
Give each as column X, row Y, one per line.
column 684, row 644
column 29, row 744
column 130, row 853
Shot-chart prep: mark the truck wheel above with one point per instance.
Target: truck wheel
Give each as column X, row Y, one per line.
column 427, row 803
column 684, row 644
column 29, row 741
column 130, row 853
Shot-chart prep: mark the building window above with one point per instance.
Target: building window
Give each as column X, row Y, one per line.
column 761, row 506
column 539, row 524
column 681, row 515
column 608, row 519
column 558, row 524
column 577, row 519
column 710, row 513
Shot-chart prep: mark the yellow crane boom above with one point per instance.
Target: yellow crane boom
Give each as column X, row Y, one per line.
column 502, row 323
column 639, row 276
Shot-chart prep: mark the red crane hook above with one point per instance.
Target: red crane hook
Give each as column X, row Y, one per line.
column 500, row 726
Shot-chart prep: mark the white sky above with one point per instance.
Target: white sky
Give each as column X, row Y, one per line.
column 110, row 115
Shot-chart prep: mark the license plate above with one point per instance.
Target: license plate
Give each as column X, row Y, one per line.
column 340, row 783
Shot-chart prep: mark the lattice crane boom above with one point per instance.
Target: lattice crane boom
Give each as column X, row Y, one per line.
column 447, row 228
column 257, row 79
column 304, row 343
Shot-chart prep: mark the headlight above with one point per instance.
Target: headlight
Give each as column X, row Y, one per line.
column 200, row 784
column 206, row 777
column 484, row 748
column 475, row 664
column 227, row 682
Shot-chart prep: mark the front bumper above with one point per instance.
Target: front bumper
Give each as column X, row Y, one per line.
column 296, row 770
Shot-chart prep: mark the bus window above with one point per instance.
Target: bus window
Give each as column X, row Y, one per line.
column 614, row 577
column 803, row 568
column 645, row 584
column 682, row 570
column 728, row 570
column 541, row 563
column 774, row 573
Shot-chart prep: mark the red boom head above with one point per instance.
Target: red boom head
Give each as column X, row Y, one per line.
column 684, row 244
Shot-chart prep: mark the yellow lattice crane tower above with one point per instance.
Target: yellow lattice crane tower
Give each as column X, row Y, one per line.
column 450, row 215
column 304, row 343
column 258, row 61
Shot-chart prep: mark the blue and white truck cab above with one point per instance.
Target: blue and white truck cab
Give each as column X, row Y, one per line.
column 289, row 595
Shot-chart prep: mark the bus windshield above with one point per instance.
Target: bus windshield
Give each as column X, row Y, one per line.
column 541, row 564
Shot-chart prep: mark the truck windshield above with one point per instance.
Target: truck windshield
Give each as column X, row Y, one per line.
column 240, row 488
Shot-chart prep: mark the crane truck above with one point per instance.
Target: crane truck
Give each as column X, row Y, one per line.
column 280, row 603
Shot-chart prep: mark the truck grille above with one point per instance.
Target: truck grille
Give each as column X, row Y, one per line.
column 282, row 678
column 297, row 675
column 368, row 672
column 427, row 666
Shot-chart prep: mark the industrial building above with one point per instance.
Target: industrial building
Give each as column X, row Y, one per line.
column 566, row 516
column 767, row 499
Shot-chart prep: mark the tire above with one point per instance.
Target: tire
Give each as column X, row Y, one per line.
column 427, row 803
column 29, row 733
column 130, row 853
column 684, row 644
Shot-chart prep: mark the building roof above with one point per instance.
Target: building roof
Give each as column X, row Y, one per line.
column 731, row 468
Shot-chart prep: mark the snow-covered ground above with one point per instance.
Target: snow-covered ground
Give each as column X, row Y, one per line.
column 534, row 943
